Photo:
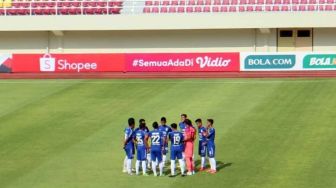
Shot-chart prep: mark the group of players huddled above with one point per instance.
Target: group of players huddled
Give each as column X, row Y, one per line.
column 152, row 146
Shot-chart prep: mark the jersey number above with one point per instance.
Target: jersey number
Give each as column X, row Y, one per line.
column 156, row 140
column 139, row 140
column 177, row 140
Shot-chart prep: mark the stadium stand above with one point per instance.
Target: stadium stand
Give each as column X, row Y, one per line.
column 104, row 7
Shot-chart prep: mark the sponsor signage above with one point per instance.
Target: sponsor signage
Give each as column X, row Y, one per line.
column 182, row 62
column 5, row 63
column 269, row 61
column 319, row 61
column 68, row 62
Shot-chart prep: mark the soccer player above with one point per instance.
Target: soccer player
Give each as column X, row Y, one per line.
column 182, row 129
column 156, row 137
column 165, row 129
column 176, row 147
column 145, row 128
column 182, row 124
column 189, row 138
column 129, row 146
column 202, row 133
column 211, row 146
column 139, row 139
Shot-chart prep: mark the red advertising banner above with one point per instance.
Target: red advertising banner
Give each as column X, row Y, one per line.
column 182, row 62
column 68, row 62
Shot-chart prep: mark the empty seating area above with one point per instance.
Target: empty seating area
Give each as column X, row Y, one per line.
column 207, row 6
column 111, row 7
column 62, row 7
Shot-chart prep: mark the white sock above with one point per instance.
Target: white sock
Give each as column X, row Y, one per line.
column 164, row 157
column 154, row 168
column 125, row 164
column 161, row 168
column 203, row 162
column 212, row 163
column 129, row 166
column 172, row 167
column 137, row 166
column 144, row 167
column 182, row 167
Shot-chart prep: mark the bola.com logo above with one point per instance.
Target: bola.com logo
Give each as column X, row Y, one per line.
column 51, row 64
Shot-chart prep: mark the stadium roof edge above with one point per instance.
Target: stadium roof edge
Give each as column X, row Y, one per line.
column 170, row 21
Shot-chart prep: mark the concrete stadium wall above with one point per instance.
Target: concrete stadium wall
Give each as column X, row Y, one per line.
column 214, row 40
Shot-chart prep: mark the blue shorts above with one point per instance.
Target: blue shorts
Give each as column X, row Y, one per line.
column 141, row 154
column 211, row 150
column 175, row 154
column 202, row 149
column 156, row 155
column 129, row 152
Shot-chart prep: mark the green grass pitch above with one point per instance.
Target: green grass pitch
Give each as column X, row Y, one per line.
column 271, row 133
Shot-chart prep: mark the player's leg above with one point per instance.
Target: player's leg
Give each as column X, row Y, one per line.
column 149, row 161
column 212, row 161
column 129, row 154
column 172, row 162
column 143, row 162
column 153, row 157
column 125, row 165
column 159, row 160
column 202, row 153
column 164, row 155
column 181, row 162
column 137, row 163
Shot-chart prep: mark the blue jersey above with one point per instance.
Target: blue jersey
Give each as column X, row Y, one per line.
column 129, row 133
column 201, row 132
column 165, row 130
column 176, row 139
column 156, row 140
column 182, row 127
column 139, row 136
column 211, row 135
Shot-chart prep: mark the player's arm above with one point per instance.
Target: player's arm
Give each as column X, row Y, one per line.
column 211, row 132
column 146, row 141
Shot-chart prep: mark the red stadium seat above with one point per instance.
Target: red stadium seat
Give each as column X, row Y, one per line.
column 252, row 2
column 180, row 9
column 164, row 10
column 275, row 8
column 261, row 2
column 302, row 8
column 165, row 2
column 215, row 9
column 208, row 2
column 224, row 9
column 200, row 2
column 233, row 9
column 241, row 9
column 269, row 2
column 278, row 2
column 234, row 2
column 249, row 9
column 155, row 9
column 311, row 7
column 322, row 1
column 284, row 8
column 175, row 2
column 190, row 9
column 328, row 8
column 148, row 3
column 191, row 2
column 146, row 10
column 172, row 9
column 218, row 2
column 243, row 2
column 198, row 9
column 258, row 8
column 330, row 1
column 206, row 9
